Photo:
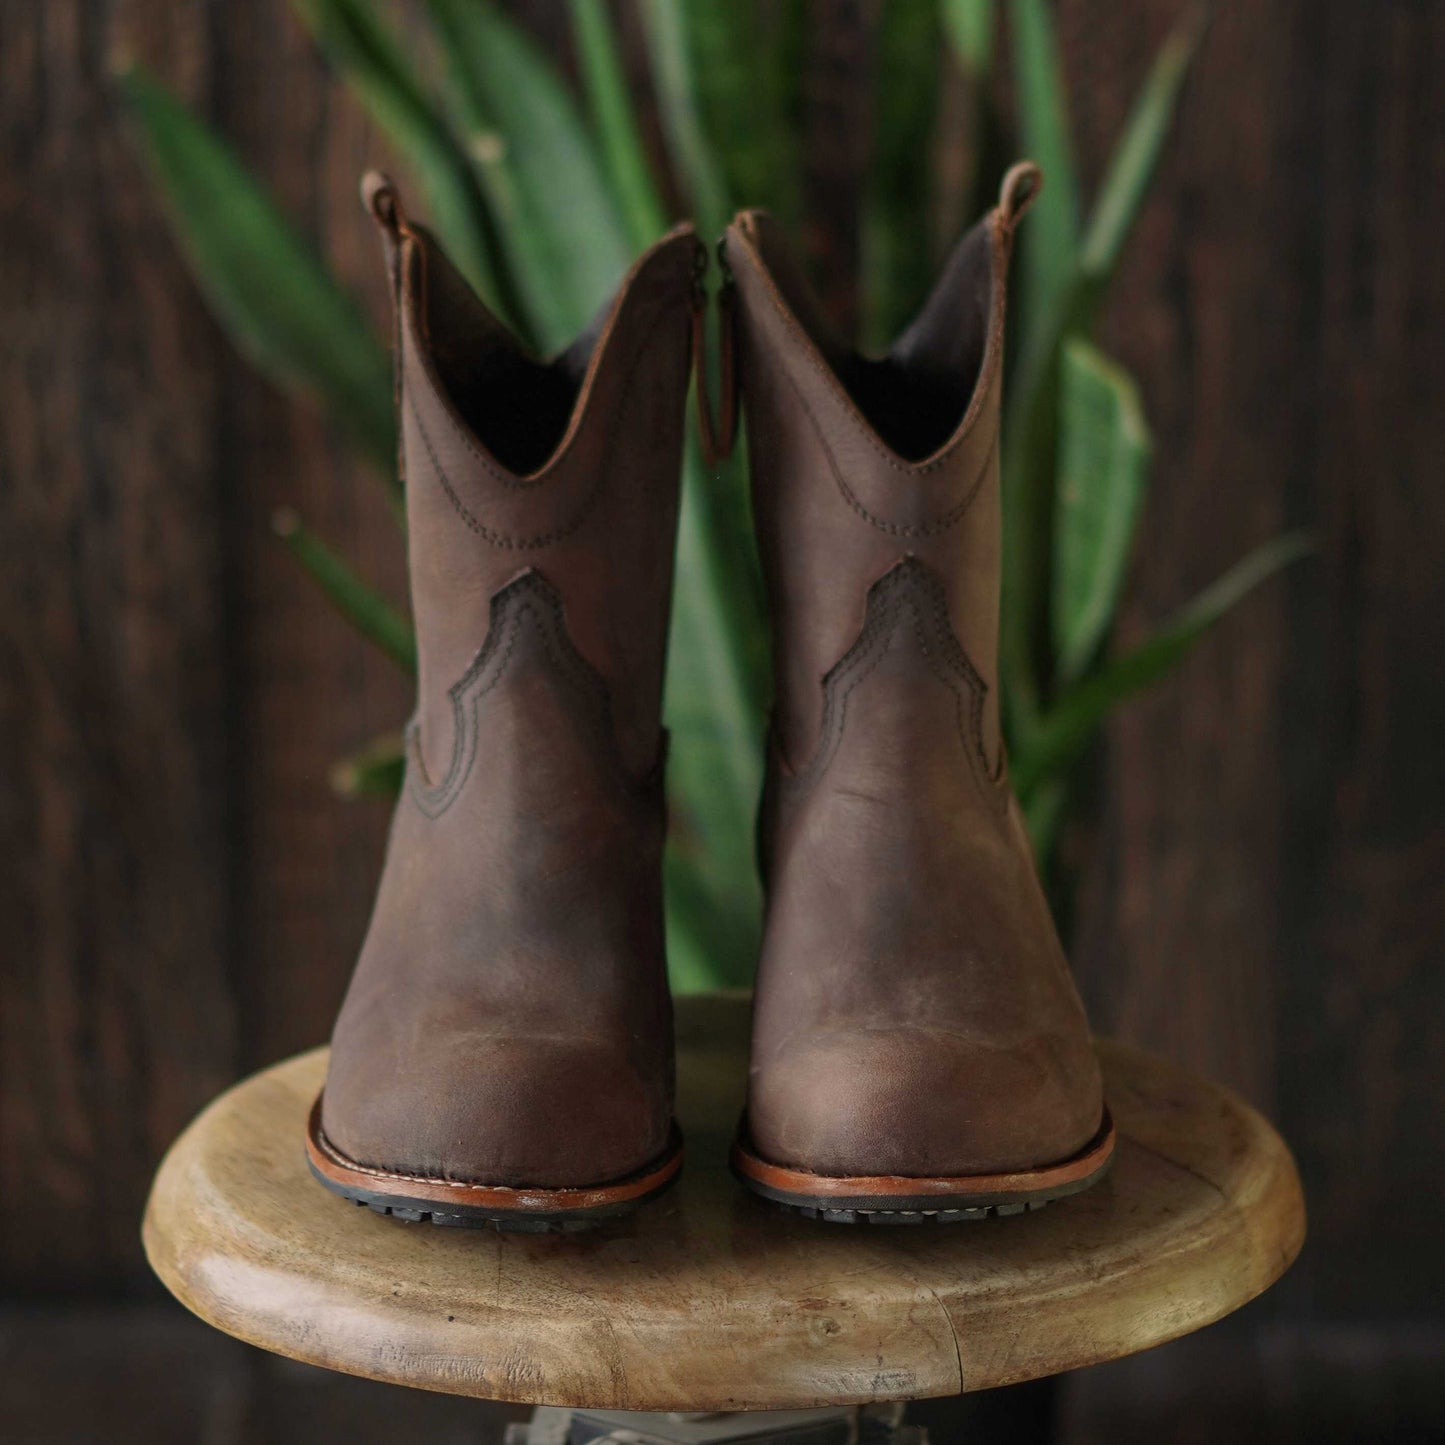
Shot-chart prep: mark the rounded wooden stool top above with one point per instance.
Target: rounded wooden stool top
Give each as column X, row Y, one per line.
column 712, row 1299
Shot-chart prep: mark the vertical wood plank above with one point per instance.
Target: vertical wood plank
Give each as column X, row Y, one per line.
column 186, row 896
column 1178, row 936
column 311, row 690
column 836, row 118
column 1264, row 898
column 117, row 799
column 1362, row 1054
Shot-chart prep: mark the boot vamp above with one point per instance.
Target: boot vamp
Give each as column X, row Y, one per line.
column 915, row 1012
column 508, row 1021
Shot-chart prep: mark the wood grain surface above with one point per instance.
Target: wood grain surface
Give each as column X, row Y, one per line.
column 710, row 1298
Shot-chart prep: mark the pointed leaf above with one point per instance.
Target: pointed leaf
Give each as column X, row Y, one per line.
column 1054, row 305
column 1051, row 240
column 740, row 90
column 615, row 121
column 1031, row 423
column 785, row 38
column 1137, row 153
column 972, row 29
column 1104, row 451
column 694, row 964
column 565, row 240
column 675, row 77
column 970, row 25
column 264, row 281
column 716, row 663
column 897, row 265
column 364, row 607
column 1030, row 453
column 1044, row 812
column 1076, row 717
column 376, row 67
column 375, row 771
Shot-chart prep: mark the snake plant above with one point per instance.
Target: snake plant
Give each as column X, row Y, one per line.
column 542, row 192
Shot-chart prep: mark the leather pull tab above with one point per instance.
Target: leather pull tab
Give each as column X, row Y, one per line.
column 717, row 436
column 1020, row 189
column 379, row 196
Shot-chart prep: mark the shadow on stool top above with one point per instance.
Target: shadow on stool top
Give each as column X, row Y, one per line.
column 712, row 1299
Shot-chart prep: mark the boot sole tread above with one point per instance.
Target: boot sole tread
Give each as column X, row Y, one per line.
column 901, row 1199
column 420, row 1199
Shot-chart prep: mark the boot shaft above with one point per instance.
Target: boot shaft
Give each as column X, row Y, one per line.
column 566, row 469
column 860, row 464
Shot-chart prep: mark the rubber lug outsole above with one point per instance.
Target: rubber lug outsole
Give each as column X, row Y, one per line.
column 419, row 1211
column 899, row 1199
column 417, row 1199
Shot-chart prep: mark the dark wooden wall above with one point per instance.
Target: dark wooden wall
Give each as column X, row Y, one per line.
column 181, row 896
column 180, row 892
column 1268, row 900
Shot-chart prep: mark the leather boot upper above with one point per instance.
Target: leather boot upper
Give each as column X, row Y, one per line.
column 508, row 1021
column 914, row 1011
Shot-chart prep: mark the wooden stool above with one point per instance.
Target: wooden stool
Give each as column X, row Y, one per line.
column 710, row 1299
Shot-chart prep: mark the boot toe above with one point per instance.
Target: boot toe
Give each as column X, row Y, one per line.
column 511, row 1112
column 924, row 1103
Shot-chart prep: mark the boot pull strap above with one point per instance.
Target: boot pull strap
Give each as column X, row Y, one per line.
column 717, row 437
column 1020, row 189
column 381, row 200
column 379, row 196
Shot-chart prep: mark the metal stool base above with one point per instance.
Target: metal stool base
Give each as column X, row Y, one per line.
column 870, row 1425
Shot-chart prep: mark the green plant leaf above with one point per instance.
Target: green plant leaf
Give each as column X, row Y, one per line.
column 1031, row 408
column 267, row 285
column 1030, row 453
column 972, row 29
column 971, row 25
column 676, row 80
column 375, row 771
column 1131, row 168
column 897, row 264
column 1072, row 722
column 740, row 89
column 364, row 607
column 713, row 707
column 714, row 907
column 1115, row 210
column 615, row 121
column 785, row 47
column 1104, row 450
column 1051, row 240
column 1044, row 812
column 376, row 67
column 717, row 650
column 692, row 966
column 1052, row 304
column 565, row 241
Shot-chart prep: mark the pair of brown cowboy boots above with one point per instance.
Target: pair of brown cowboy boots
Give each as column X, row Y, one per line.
column 505, row 1051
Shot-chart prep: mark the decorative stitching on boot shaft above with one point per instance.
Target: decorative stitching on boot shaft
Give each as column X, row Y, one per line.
column 909, row 591
column 599, row 480
column 930, row 528
column 528, row 597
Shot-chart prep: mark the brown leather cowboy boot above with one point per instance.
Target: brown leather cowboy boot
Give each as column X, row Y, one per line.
column 504, row 1053
column 919, row 1049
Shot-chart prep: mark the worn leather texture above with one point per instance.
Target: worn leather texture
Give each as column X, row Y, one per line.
column 914, row 1012
column 508, row 1021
